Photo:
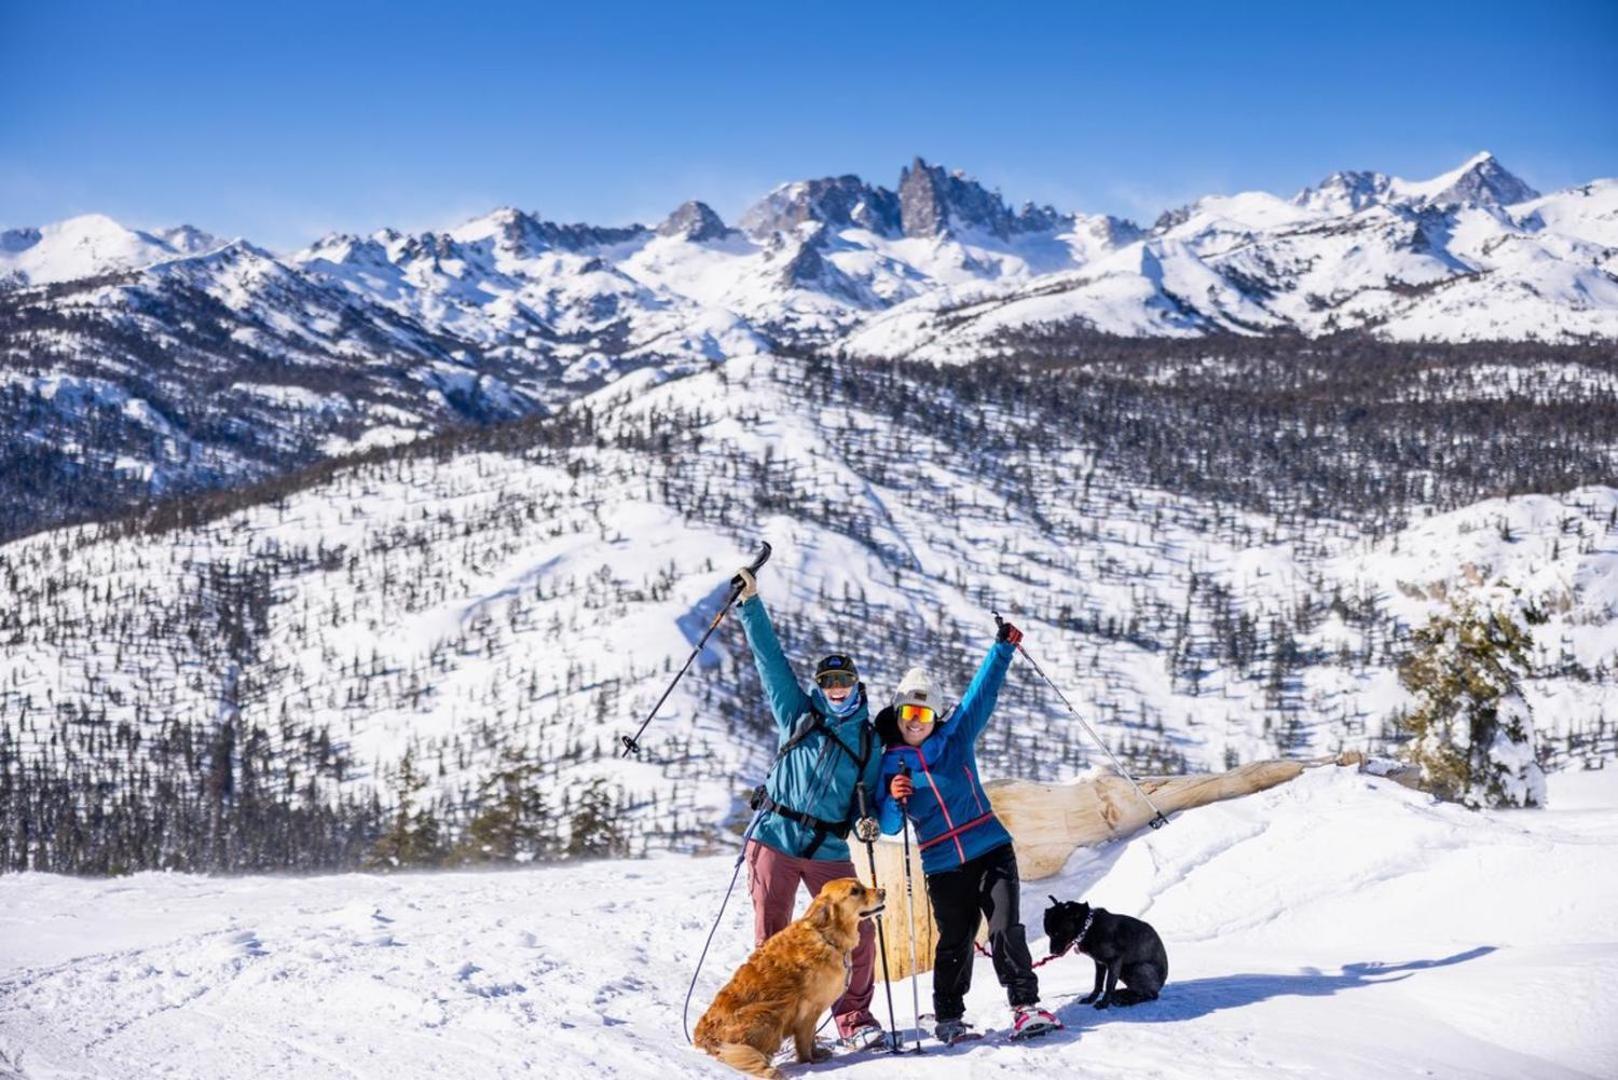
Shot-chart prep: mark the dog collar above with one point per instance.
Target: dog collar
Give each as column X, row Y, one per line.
column 1078, row 942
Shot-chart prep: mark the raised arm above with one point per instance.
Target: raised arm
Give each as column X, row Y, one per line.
column 977, row 704
column 786, row 696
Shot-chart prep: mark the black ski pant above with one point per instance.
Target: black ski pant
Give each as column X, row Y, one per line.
column 986, row 887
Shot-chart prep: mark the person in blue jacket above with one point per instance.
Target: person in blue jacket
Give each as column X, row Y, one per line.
column 827, row 753
column 930, row 775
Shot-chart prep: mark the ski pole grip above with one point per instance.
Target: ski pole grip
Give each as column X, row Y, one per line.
column 755, row 566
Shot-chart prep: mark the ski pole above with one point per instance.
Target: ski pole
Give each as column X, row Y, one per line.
column 1158, row 819
column 910, row 910
column 632, row 742
column 685, row 1013
column 881, row 938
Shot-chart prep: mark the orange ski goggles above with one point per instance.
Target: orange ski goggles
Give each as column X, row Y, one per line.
column 917, row 714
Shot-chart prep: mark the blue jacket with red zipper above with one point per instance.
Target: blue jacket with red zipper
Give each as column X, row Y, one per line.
column 950, row 811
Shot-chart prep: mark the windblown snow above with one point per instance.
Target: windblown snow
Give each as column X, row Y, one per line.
column 1338, row 926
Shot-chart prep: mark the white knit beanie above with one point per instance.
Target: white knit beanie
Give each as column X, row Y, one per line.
column 916, row 688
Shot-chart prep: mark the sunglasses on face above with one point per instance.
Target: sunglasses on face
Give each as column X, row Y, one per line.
column 916, row 714
column 832, row 680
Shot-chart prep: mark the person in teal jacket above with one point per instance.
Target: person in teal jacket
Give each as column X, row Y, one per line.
column 930, row 776
column 827, row 753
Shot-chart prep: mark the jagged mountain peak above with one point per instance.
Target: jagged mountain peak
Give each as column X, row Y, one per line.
column 504, row 224
column 522, row 233
column 1478, row 181
column 695, row 221
column 1346, row 191
column 841, row 202
column 933, row 201
column 188, row 239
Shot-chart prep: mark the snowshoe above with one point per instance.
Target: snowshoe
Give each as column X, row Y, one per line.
column 950, row 1032
column 867, row 1037
column 1029, row 1022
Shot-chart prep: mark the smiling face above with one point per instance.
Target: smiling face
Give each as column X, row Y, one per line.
column 916, row 723
column 838, row 684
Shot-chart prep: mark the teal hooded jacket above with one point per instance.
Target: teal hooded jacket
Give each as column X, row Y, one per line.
column 818, row 776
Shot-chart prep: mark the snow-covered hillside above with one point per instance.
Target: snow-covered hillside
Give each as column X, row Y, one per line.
column 533, row 596
column 1339, row 926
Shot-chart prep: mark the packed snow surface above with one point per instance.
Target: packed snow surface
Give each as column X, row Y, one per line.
column 1336, row 926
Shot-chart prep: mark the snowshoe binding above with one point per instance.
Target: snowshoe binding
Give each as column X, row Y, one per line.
column 950, row 1032
column 865, row 1037
column 1029, row 1022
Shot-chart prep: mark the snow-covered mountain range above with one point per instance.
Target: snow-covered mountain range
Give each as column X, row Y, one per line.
column 824, row 258
column 108, row 334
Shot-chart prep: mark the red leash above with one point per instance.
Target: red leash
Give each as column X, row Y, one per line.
column 983, row 951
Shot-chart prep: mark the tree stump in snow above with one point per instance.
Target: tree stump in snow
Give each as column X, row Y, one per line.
column 1048, row 822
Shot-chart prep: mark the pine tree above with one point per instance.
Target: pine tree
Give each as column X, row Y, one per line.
column 595, row 830
column 412, row 838
column 514, row 822
column 1472, row 731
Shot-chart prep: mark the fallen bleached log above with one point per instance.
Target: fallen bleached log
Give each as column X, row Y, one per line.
column 1048, row 822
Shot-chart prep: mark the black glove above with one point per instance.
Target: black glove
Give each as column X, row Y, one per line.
column 1009, row 634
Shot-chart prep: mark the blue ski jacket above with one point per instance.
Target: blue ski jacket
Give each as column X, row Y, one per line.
column 811, row 791
column 953, row 820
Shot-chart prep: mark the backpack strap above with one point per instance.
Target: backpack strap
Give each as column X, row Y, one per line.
column 808, row 724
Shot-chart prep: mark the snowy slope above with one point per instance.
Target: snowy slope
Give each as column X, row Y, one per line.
column 469, row 602
column 1339, row 926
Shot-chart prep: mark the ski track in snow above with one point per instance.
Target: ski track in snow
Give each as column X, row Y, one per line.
column 1336, row 926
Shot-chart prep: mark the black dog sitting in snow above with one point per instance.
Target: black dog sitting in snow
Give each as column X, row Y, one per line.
column 1123, row 948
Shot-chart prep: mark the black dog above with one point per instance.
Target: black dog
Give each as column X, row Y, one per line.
column 1122, row 948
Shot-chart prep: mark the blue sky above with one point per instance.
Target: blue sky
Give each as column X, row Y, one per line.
column 283, row 121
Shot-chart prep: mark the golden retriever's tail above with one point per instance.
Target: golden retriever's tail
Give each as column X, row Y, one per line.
column 745, row 1059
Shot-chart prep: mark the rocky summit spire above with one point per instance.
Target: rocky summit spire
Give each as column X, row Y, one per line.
column 694, row 221
column 932, row 200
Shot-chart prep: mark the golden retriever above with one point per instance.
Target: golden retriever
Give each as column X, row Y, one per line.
column 788, row 982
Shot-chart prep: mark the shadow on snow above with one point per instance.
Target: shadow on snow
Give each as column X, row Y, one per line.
column 1190, row 1000
column 1200, row 997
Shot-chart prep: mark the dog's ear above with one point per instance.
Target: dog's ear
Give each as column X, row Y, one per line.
column 1054, row 901
column 819, row 915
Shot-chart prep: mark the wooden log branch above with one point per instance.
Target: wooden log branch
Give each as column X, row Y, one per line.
column 1049, row 822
